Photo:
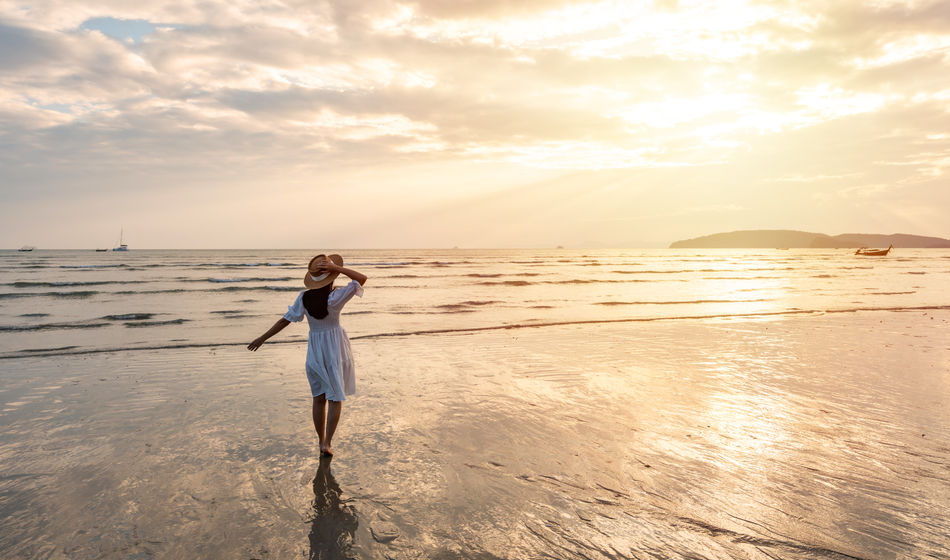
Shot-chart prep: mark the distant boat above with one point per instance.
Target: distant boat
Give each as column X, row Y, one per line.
column 26, row 248
column 865, row 252
column 121, row 246
column 101, row 250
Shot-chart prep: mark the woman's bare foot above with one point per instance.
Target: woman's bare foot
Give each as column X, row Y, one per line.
column 325, row 450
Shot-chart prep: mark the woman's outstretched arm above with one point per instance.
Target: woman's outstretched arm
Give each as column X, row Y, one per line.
column 278, row 326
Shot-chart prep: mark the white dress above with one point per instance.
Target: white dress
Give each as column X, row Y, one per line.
column 330, row 368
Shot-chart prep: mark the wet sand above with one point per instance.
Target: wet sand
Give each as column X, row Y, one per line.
column 822, row 436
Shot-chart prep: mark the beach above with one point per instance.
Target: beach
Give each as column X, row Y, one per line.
column 616, row 280
column 824, row 435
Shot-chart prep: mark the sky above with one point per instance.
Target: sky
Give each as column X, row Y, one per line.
column 464, row 123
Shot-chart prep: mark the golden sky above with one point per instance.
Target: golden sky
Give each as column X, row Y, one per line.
column 488, row 123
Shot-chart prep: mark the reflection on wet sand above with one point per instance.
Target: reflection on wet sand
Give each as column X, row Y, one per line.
column 824, row 437
column 334, row 523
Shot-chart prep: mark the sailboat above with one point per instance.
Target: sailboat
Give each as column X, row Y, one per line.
column 122, row 246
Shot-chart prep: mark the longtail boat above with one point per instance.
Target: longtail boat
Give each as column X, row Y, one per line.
column 865, row 252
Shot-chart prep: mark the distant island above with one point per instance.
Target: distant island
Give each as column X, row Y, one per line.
column 791, row 239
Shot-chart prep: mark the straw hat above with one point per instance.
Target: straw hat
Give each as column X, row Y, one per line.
column 315, row 278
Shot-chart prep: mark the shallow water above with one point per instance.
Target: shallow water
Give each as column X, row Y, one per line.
column 79, row 301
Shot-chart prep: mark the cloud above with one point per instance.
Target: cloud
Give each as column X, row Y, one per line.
column 487, row 8
column 739, row 95
column 22, row 48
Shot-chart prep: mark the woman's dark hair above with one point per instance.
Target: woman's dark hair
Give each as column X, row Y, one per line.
column 316, row 301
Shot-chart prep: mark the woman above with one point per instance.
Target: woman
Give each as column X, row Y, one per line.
column 329, row 366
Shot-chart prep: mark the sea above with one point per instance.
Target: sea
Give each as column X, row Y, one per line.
column 74, row 302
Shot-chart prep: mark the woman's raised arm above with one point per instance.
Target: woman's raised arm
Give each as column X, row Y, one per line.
column 332, row 267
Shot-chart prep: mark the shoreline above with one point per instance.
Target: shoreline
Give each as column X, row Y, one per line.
column 41, row 353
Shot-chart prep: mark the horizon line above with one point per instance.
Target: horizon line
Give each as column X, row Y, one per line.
column 558, row 248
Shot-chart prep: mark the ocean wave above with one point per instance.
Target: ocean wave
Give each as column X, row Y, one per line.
column 75, row 294
column 381, row 264
column 35, row 315
column 581, row 281
column 230, row 280
column 247, row 265
column 220, row 266
column 590, row 281
column 211, row 290
column 447, row 308
column 136, row 324
column 742, row 278
column 85, row 266
column 556, row 282
column 234, row 314
column 695, row 301
column 165, row 291
column 129, row 317
column 25, row 284
column 51, row 326
column 254, row 288
column 655, row 271
column 464, row 306
column 497, row 275
column 890, row 293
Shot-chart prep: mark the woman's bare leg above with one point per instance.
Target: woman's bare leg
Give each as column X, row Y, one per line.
column 333, row 418
column 320, row 417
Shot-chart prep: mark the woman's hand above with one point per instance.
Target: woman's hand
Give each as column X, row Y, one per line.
column 326, row 267
column 256, row 343
column 278, row 326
